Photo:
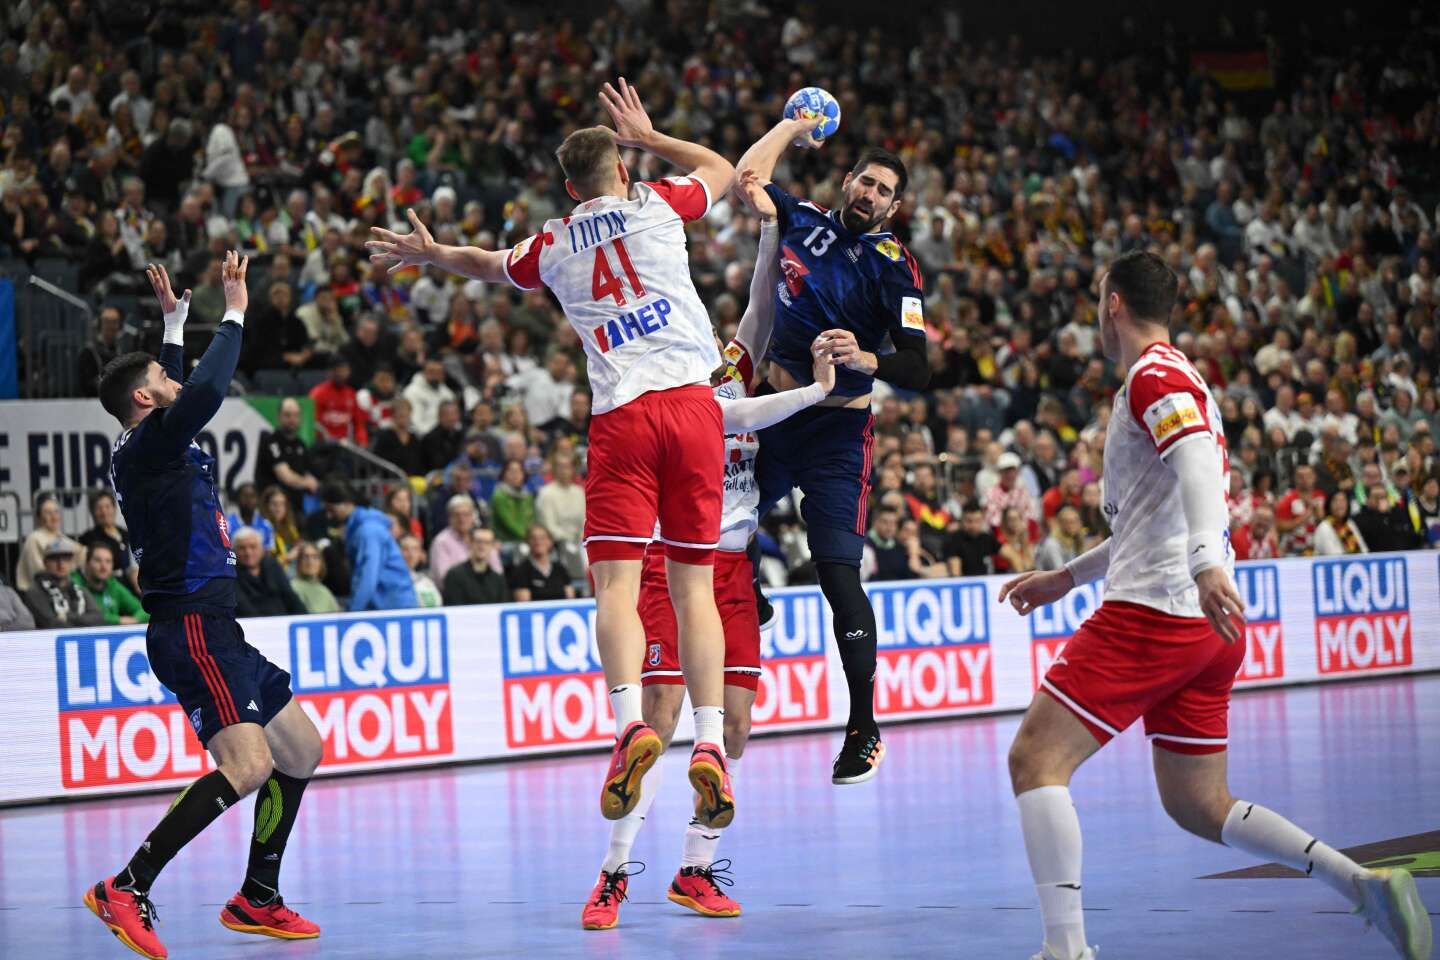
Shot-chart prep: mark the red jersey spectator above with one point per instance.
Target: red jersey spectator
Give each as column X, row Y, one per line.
column 337, row 408
column 1010, row 492
column 1064, row 493
column 1257, row 541
column 1298, row 512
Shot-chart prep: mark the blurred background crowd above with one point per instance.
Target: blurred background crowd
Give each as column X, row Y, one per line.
column 1289, row 176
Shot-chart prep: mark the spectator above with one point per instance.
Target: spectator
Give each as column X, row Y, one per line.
column 1298, row 512
column 537, row 576
column 560, row 508
column 1065, row 493
column 1384, row 526
column 919, row 562
column 104, row 591
column 970, row 551
column 284, row 460
column 377, row 397
column 1065, row 542
column 427, row 595
column 1427, row 505
column 512, row 506
column 451, row 545
column 366, row 352
column 247, row 514
column 1017, row 552
column 1257, row 540
column 309, row 580
column 885, row 557
column 427, row 391
column 379, row 578
column 442, row 443
column 275, row 338
column 476, row 580
column 459, row 479
column 923, row 501
column 1008, row 492
column 261, row 589
column 53, row 596
column 325, row 333
column 337, row 409
column 398, row 445
column 545, row 391
column 1338, row 535
column 105, row 514
column 14, row 614
column 276, row 511
column 101, row 349
column 400, row 504
column 46, row 532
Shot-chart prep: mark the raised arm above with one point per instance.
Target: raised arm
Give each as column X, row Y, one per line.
column 418, row 248
column 634, row 129
column 765, row 152
column 758, row 321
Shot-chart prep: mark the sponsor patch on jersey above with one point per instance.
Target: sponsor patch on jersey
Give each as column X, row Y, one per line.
column 1171, row 415
column 521, row 248
column 912, row 313
column 891, row 249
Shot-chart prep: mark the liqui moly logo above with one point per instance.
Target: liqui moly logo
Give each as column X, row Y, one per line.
column 377, row 688
column 934, row 647
column 1362, row 614
column 794, row 687
column 1052, row 626
column 1259, row 585
column 554, row 686
column 117, row 723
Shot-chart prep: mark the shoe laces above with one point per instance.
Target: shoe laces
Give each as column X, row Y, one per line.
column 282, row 913
column 867, row 747
column 149, row 916
column 611, row 886
column 715, row 874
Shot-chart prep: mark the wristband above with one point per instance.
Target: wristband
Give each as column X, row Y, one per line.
column 1205, row 550
column 234, row 316
column 175, row 322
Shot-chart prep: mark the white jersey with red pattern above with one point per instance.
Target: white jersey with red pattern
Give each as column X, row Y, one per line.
column 1164, row 404
column 621, row 272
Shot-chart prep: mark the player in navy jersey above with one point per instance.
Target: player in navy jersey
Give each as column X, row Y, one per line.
column 846, row 279
column 238, row 702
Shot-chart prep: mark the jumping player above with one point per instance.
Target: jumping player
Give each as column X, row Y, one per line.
column 697, row 882
column 619, row 268
column 1166, row 641
column 847, row 279
column 238, row 702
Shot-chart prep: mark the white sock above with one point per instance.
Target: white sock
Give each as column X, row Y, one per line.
column 710, row 725
column 1265, row 834
column 624, row 831
column 698, row 850
column 625, row 704
column 1052, row 842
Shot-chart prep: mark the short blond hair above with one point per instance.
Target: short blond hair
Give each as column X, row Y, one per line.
column 588, row 157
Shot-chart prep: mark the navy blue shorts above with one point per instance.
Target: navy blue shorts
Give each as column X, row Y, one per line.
column 218, row 678
column 826, row 452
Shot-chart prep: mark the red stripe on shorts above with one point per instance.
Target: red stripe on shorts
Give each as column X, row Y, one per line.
column 210, row 670
column 863, row 508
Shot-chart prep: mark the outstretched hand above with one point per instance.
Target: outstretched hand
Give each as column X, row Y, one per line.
column 399, row 251
column 749, row 189
column 632, row 124
column 160, row 283
column 232, row 280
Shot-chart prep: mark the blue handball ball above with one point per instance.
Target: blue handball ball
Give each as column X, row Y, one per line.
column 817, row 104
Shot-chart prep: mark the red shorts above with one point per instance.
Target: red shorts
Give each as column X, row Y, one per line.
column 1130, row 661
column 734, row 595
column 659, row 457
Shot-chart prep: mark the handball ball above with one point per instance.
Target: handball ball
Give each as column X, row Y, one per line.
column 814, row 103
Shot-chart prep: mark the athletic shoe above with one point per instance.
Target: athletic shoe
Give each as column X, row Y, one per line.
column 714, row 798
column 602, row 910
column 1089, row 953
column 763, row 608
column 859, row 758
column 635, row 753
column 1390, row 903
column 699, row 889
column 272, row 919
column 130, row 916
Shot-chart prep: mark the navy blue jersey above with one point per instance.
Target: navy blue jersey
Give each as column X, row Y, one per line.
column 830, row 278
column 165, row 484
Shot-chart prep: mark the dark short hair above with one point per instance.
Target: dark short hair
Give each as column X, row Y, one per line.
column 880, row 157
column 121, row 378
column 105, row 545
column 972, row 506
column 336, row 491
column 587, row 156
column 1146, row 284
column 99, row 495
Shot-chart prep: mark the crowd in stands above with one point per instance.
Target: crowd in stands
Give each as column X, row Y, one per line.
column 1300, row 219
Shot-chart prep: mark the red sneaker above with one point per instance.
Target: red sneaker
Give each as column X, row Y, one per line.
column 714, row 798
column 635, row 753
column 699, row 889
column 272, row 919
column 602, row 910
column 130, row 916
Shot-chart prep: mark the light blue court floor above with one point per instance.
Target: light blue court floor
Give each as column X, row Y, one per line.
column 925, row 861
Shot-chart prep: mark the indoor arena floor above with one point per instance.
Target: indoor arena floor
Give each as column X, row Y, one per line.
column 924, row 861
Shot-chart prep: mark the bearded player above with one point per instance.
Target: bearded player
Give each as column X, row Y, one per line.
column 238, row 702
column 1166, row 641
column 619, row 268
column 697, row 883
column 844, row 278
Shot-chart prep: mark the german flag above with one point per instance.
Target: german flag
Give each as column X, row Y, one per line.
column 1235, row 70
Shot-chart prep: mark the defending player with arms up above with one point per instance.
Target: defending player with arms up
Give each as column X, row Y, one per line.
column 696, row 884
column 844, row 278
column 238, row 702
column 1165, row 642
column 619, row 268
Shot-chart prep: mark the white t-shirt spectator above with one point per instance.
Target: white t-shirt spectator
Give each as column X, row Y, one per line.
column 543, row 397
column 425, row 401
column 223, row 163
